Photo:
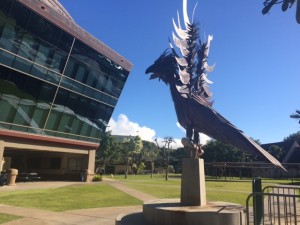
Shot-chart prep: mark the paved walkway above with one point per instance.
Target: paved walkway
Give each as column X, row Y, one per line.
column 99, row 216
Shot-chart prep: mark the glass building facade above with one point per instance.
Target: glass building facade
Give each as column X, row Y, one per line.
column 52, row 83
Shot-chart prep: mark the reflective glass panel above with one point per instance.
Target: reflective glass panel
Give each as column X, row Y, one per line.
column 36, row 25
column 65, row 42
column 38, row 71
column 22, row 65
column 6, row 58
column 5, row 5
column 8, row 39
column 39, row 117
column 21, row 14
column 8, row 105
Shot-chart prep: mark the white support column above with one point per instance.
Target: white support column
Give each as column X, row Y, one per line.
column 91, row 160
column 1, row 154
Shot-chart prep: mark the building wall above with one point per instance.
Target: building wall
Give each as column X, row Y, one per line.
column 52, row 83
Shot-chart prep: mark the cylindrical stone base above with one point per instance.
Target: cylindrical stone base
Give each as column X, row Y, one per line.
column 169, row 211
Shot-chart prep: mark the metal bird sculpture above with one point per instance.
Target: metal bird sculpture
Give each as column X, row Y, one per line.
column 186, row 75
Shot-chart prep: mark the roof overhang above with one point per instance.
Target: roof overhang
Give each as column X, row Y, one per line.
column 42, row 140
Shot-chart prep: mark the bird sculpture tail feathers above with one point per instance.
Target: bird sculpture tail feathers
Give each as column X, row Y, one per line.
column 266, row 154
column 208, row 121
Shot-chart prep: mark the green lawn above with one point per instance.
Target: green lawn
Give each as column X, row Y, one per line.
column 232, row 190
column 96, row 195
column 4, row 218
column 69, row 198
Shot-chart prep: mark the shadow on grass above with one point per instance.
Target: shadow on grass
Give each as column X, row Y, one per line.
column 176, row 176
column 297, row 183
column 227, row 180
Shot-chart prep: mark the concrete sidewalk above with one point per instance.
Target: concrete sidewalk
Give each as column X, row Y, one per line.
column 99, row 216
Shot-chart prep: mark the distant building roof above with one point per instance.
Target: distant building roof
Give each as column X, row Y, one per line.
column 291, row 151
column 293, row 155
column 123, row 137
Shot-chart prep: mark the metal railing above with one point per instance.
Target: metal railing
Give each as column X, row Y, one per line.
column 274, row 205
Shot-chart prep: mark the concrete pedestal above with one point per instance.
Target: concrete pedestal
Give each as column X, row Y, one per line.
column 193, row 191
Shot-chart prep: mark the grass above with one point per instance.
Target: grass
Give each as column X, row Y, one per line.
column 232, row 190
column 97, row 195
column 69, row 198
column 4, row 218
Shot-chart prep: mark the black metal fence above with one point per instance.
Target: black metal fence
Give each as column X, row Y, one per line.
column 274, row 205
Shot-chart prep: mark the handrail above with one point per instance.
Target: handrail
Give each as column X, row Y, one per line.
column 278, row 208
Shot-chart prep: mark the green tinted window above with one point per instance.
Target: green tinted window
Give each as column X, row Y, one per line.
column 8, row 108
column 54, row 118
column 21, row 14
column 40, row 115
column 24, row 112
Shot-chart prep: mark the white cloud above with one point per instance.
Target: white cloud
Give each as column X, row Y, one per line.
column 123, row 126
column 204, row 138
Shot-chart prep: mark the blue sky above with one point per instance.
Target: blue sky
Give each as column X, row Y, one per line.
column 257, row 73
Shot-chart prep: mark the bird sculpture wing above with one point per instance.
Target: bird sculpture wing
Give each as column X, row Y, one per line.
column 208, row 121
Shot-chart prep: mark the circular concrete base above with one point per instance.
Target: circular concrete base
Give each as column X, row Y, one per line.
column 169, row 211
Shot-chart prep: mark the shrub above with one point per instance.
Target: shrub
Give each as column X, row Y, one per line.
column 97, row 177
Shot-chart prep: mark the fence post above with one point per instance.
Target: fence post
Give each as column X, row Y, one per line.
column 258, row 201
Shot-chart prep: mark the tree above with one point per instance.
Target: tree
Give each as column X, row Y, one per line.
column 216, row 151
column 292, row 137
column 150, row 153
column 130, row 151
column 177, row 155
column 268, row 4
column 164, row 150
column 276, row 151
column 136, row 145
column 109, row 149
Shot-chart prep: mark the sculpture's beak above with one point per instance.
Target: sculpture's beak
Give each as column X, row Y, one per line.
column 154, row 75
